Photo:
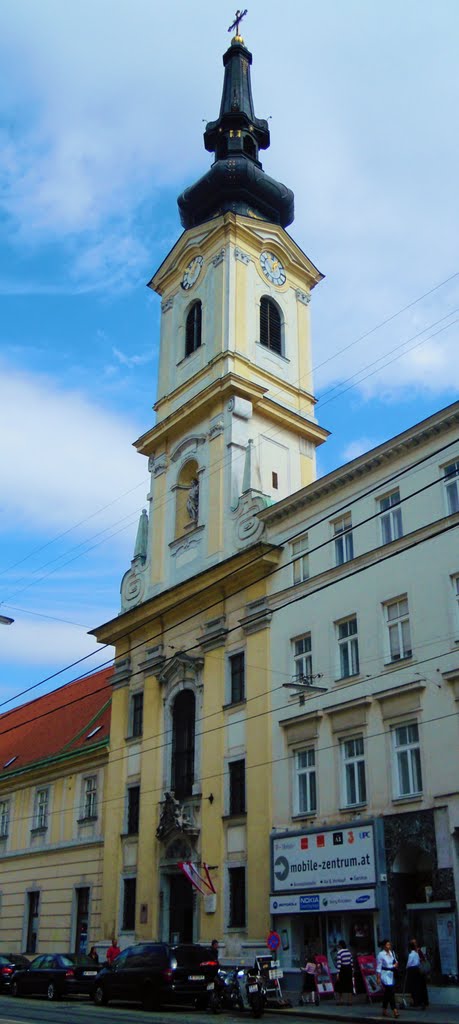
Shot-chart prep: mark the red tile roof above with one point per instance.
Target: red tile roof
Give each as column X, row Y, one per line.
column 57, row 723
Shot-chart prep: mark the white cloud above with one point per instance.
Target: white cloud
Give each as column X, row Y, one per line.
column 67, row 458
column 131, row 361
column 358, row 447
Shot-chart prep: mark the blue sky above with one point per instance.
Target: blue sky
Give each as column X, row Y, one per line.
column 101, row 121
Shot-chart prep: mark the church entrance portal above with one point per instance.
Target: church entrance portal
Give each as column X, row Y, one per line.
column 180, row 909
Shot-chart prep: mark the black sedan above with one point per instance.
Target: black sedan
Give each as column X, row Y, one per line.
column 9, row 963
column 55, row 975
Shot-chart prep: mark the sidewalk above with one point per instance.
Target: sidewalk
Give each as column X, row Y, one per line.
column 368, row 1013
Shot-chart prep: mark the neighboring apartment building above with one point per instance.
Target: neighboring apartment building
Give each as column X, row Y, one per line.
column 53, row 753
column 365, row 690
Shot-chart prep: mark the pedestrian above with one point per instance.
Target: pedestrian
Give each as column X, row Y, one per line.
column 308, row 992
column 345, row 982
column 386, row 966
column 415, row 978
column 214, row 949
column 112, row 952
column 93, row 954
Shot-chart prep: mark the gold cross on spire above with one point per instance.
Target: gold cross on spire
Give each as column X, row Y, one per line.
column 239, row 16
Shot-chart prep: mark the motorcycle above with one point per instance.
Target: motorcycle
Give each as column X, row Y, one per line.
column 240, row 988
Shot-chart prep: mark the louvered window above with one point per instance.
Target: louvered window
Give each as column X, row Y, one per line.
column 270, row 325
column 193, row 328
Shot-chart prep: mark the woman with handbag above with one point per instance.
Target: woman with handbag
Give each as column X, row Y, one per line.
column 417, row 970
column 386, row 966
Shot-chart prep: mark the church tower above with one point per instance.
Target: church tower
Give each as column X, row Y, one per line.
column 191, row 726
column 235, row 427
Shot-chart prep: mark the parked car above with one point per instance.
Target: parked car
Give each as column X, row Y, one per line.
column 55, row 975
column 157, row 974
column 9, row 963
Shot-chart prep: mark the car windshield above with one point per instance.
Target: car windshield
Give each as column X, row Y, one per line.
column 5, row 960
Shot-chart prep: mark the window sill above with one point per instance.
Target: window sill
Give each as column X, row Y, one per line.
column 399, row 661
column 304, row 816
column 272, row 352
column 409, row 799
column 240, row 816
column 88, row 820
column 237, row 928
column 352, row 679
column 190, row 355
column 349, row 808
column 129, row 835
column 133, row 739
column 234, row 704
column 40, row 830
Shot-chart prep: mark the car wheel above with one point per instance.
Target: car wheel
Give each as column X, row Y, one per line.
column 14, row 988
column 100, row 996
column 52, row 991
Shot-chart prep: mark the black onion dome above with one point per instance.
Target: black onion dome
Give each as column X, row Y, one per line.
column 236, row 181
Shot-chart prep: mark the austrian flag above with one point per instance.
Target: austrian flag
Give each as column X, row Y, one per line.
column 203, row 883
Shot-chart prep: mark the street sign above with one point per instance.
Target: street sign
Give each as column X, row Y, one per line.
column 273, row 941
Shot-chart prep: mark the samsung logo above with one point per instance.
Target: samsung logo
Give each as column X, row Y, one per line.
column 362, row 899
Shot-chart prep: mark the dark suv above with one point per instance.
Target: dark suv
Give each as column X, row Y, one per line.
column 156, row 974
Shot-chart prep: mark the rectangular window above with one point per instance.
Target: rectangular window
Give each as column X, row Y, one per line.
column 451, row 477
column 306, row 784
column 237, row 787
column 136, row 714
column 354, row 785
column 129, row 885
column 4, row 818
column 90, row 797
column 133, row 810
column 236, row 878
column 302, row 656
column 344, row 544
column 237, row 677
column 301, row 559
column 41, row 808
column 33, row 904
column 398, row 629
column 408, row 778
column 391, row 517
column 455, row 583
column 348, row 645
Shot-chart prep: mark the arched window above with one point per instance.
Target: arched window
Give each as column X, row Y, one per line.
column 183, row 727
column 270, row 325
column 193, row 328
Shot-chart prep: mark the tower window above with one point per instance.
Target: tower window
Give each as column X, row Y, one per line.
column 249, row 147
column 193, row 328
column 270, row 325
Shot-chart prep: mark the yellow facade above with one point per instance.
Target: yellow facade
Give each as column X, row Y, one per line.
column 52, row 813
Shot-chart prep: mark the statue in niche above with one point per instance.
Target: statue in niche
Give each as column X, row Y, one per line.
column 192, row 501
column 173, row 817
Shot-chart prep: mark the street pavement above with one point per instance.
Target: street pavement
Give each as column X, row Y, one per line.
column 82, row 1011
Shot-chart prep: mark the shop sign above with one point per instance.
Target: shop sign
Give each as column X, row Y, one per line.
column 327, row 859
column 317, row 902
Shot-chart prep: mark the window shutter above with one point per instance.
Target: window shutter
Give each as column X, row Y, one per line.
column 270, row 325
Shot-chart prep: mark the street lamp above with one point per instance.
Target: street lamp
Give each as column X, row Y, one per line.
column 5, row 620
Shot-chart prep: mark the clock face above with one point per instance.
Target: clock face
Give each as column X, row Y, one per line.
column 192, row 272
column 272, row 268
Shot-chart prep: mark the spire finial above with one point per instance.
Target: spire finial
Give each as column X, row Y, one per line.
column 238, row 18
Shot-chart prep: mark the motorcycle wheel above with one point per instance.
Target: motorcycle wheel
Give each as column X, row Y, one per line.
column 257, row 1005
